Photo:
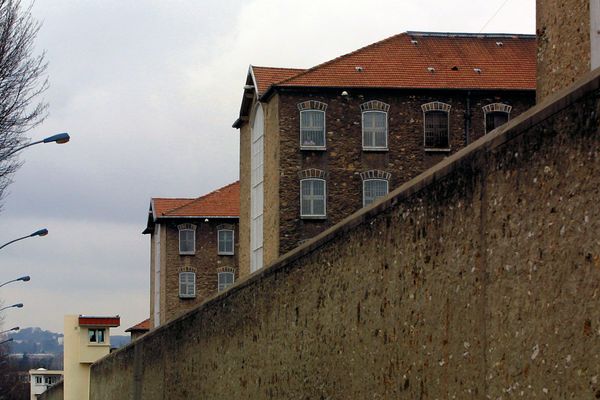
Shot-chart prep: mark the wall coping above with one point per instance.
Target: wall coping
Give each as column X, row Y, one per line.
column 516, row 127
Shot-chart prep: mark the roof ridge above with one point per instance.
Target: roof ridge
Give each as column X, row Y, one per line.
column 470, row 34
column 260, row 66
column 341, row 57
column 199, row 198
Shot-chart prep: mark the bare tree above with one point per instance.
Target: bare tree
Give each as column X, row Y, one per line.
column 22, row 79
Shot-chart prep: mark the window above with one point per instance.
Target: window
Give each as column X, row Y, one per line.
column 96, row 335
column 50, row 380
column 187, row 239
column 312, row 125
column 312, row 129
column 374, row 189
column 496, row 114
column 435, row 117
column 374, row 125
column 225, row 239
column 257, row 190
column 226, row 279
column 187, row 285
column 312, row 198
column 38, row 380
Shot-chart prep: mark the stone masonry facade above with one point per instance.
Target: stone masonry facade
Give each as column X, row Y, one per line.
column 206, row 263
column 563, row 32
column 344, row 162
column 478, row 280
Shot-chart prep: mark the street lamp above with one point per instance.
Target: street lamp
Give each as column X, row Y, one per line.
column 7, row 340
column 16, row 328
column 58, row 139
column 41, row 232
column 18, row 305
column 23, row 278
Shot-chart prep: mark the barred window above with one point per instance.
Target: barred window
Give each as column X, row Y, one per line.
column 312, row 129
column 374, row 126
column 312, row 198
column 187, row 284
column 495, row 119
column 225, row 279
column 436, row 130
column 226, row 242
column 374, row 189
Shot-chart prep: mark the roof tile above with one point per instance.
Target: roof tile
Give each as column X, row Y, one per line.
column 223, row 202
column 459, row 61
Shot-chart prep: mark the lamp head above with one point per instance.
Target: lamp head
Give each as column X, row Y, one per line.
column 24, row 278
column 18, row 305
column 41, row 232
column 58, row 138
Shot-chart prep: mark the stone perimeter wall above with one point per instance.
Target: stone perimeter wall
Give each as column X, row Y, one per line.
column 478, row 279
column 55, row 392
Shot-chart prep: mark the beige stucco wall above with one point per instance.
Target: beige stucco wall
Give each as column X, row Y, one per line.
column 79, row 354
column 563, row 30
column 271, row 183
column 479, row 279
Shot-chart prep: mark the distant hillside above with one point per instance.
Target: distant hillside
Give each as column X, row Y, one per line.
column 38, row 341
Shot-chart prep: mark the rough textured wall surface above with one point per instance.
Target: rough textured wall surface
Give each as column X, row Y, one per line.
column 56, row 392
column 563, row 32
column 345, row 159
column 478, row 279
column 206, row 264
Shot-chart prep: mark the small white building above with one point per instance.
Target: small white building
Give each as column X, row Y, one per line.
column 41, row 379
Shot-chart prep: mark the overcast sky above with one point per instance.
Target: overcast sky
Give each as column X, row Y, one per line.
column 148, row 90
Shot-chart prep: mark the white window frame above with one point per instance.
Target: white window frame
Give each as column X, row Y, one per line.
column 374, row 148
column 257, row 146
column 96, row 330
column 223, row 286
column 314, row 216
column 187, row 295
column 387, row 185
column 495, row 108
column 39, row 380
column 315, row 147
column 226, row 253
column 187, row 228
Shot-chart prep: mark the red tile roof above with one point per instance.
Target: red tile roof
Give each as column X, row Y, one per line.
column 459, row 61
column 143, row 326
column 223, row 202
column 267, row 76
column 162, row 205
column 89, row 320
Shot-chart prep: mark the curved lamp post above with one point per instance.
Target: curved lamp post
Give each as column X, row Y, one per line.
column 23, row 278
column 18, row 305
column 16, row 328
column 7, row 340
column 41, row 232
column 59, row 138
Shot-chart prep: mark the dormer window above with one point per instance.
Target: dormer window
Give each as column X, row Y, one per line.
column 312, row 125
column 96, row 335
column 187, row 239
column 374, row 125
column 496, row 114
